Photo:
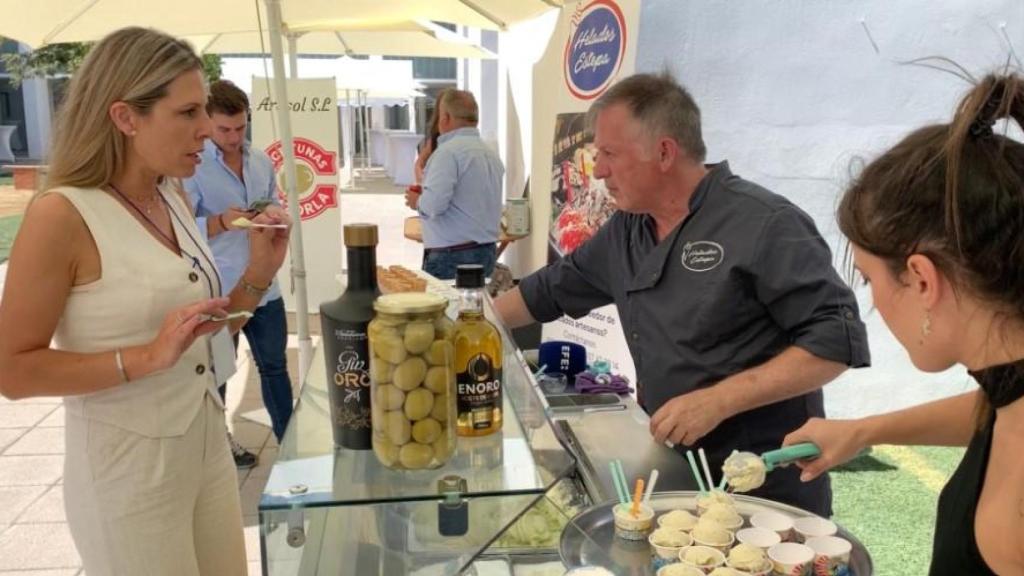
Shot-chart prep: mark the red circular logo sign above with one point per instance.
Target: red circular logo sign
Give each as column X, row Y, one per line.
column 316, row 173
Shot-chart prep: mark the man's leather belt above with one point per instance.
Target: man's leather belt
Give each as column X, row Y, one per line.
column 458, row 247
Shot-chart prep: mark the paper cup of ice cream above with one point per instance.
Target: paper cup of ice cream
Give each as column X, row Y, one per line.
column 831, row 555
column 713, row 536
column 632, row 527
column 705, row 558
column 762, row 538
column 749, row 559
column 667, row 542
column 723, row 514
column 714, row 497
column 777, row 522
column 678, row 519
column 679, row 570
column 813, row 526
column 791, row 559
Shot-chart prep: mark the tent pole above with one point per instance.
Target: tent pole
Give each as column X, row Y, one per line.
column 298, row 271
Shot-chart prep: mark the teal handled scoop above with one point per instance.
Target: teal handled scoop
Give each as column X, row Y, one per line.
column 745, row 471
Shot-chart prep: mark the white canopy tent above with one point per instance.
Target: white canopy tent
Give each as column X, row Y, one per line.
column 43, row 22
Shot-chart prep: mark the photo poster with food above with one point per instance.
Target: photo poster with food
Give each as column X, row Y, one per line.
column 592, row 47
column 314, row 120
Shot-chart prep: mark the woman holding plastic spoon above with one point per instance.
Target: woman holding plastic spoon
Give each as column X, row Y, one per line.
column 110, row 267
column 936, row 227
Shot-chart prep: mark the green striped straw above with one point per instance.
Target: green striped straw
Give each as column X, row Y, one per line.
column 696, row 471
column 620, row 487
column 623, row 482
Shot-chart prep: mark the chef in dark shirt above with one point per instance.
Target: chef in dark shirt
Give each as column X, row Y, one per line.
column 733, row 312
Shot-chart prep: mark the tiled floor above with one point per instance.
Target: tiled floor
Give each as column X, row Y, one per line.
column 34, row 537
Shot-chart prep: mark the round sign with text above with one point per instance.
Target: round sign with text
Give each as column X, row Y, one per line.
column 595, row 50
column 316, row 174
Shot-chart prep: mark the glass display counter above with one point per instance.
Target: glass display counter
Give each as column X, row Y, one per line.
column 501, row 499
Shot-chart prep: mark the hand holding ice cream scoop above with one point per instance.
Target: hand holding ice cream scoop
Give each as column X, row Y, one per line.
column 745, row 471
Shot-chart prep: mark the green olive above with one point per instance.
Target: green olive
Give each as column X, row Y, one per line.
column 409, row 374
column 386, row 452
column 444, row 328
column 389, row 398
column 389, row 348
column 418, row 336
column 415, row 456
column 426, row 431
column 380, row 370
column 442, row 448
column 418, row 404
column 440, row 410
column 397, row 427
column 439, row 380
column 439, row 353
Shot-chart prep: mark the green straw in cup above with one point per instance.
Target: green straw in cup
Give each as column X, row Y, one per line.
column 620, row 488
column 696, row 471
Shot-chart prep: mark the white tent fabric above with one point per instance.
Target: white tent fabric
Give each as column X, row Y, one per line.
column 42, row 22
column 408, row 39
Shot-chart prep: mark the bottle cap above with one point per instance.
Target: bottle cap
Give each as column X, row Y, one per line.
column 469, row 276
column 360, row 235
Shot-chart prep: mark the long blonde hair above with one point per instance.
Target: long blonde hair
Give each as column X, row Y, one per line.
column 131, row 65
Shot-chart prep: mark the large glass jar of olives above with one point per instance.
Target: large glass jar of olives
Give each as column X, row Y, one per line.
column 412, row 381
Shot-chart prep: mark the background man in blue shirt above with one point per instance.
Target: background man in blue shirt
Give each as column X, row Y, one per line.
column 231, row 179
column 460, row 204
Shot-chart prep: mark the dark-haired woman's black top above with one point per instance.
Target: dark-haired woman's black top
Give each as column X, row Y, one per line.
column 955, row 551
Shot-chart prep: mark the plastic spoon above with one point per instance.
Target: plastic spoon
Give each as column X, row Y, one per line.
column 246, row 223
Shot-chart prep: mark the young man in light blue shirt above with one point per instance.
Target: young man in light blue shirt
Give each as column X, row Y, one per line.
column 460, row 203
column 236, row 181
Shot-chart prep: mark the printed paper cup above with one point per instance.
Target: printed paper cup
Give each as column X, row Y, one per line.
column 631, row 527
column 791, row 559
column 812, row 526
column 763, row 538
column 831, row 555
column 777, row 522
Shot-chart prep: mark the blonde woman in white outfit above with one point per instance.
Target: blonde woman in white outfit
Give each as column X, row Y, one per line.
column 109, row 265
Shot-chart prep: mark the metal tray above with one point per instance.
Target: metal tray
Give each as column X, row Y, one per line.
column 589, row 538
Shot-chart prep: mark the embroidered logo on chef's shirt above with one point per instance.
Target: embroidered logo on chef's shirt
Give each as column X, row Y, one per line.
column 702, row 255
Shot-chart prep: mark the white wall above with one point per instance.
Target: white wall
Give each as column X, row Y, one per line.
column 792, row 90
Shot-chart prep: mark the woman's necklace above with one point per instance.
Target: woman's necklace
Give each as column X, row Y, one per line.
column 146, row 205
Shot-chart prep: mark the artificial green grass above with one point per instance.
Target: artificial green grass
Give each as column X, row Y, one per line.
column 8, row 229
column 885, row 505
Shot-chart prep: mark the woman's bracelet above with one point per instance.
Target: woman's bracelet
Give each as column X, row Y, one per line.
column 120, row 366
column 252, row 289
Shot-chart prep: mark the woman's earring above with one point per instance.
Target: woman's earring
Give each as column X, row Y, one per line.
column 926, row 327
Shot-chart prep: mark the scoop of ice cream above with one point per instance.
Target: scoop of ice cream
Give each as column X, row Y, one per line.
column 725, row 571
column 744, row 471
column 714, row 535
column 674, row 570
column 700, row 556
column 715, row 497
column 724, row 514
column 670, row 538
column 709, row 522
column 747, row 557
column 679, row 519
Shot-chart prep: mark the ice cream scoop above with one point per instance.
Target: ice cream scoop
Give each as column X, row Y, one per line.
column 747, row 557
column 745, row 471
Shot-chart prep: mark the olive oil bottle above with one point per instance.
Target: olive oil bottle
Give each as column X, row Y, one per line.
column 477, row 359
